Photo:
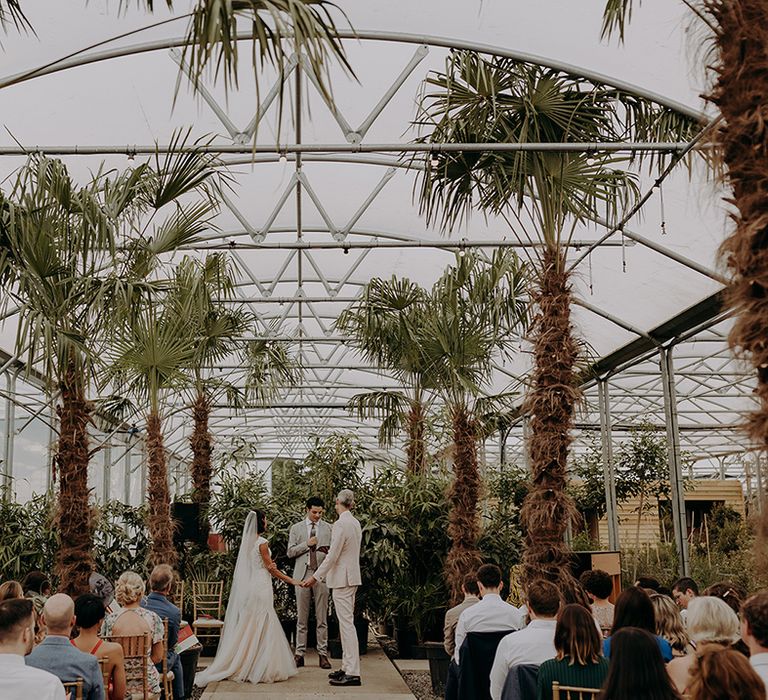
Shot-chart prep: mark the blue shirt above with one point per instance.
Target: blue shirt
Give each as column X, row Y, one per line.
column 664, row 646
column 56, row 655
column 165, row 610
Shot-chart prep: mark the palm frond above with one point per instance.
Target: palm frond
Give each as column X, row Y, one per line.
column 307, row 27
column 388, row 406
column 616, row 16
column 12, row 15
column 269, row 368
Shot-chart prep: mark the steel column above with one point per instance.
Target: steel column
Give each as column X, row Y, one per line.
column 10, row 424
column 666, row 365
column 606, row 439
column 106, row 486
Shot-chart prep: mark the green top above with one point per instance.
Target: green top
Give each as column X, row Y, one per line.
column 565, row 673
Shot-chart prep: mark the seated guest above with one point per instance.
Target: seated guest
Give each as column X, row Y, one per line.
column 90, row 613
column 534, row 644
column 648, row 584
column 491, row 613
column 56, row 655
column 710, row 621
column 17, row 635
column 161, row 583
column 37, row 587
column 471, row 596
column 634, row 609
column 669, row 624
column 11, row 590
column 637, row 671
column 730, row 593
column 721, row 673
column 131, row 620
column 579, row 660
column 599, row 586
column 754, row 632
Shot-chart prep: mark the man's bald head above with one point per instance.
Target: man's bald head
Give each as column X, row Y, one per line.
column 59, row 614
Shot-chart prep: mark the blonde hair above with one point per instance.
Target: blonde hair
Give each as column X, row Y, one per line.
column 130, row 587
column 669, row 622
column 712, row 620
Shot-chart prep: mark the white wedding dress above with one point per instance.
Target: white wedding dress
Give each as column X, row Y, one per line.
column 253, row 646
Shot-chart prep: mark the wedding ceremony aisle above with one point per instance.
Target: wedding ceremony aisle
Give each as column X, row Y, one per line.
column 381, row 681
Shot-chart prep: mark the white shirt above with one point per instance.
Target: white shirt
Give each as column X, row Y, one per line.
column 17, row 680
column 760, row 664
column 309, row 524
column 533, row 645
column 491, row 614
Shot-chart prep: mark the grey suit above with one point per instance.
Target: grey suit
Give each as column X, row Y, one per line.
column 298, row 549
column 57, row 656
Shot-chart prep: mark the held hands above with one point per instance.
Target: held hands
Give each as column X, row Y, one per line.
column 308, row 583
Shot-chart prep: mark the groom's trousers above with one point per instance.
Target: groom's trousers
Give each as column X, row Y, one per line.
column 344, row 602
column 304, row 598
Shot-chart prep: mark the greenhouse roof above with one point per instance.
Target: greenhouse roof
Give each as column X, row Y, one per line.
column 326, row 201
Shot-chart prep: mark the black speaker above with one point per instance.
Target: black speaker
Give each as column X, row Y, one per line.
column 187, row 521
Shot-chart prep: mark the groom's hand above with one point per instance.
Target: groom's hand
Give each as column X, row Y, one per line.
column 308, row 583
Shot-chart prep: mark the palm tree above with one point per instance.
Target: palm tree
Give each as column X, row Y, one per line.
column 380, row 325
column 476, row 310
column 543, row 196
column 58, row 253
column 738, row 29
column 203, row 290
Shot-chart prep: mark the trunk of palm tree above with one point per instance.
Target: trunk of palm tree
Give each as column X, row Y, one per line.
column 415, row 452
column 158, row 496
column 463, row 497
column 739, row 93
column 74, row 562
column 548, row 509
column 202, row 447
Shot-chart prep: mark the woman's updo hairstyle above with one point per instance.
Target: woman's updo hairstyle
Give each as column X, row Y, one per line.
column 130, row 588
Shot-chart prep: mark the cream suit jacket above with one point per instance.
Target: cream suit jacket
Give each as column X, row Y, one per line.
column 341, row 566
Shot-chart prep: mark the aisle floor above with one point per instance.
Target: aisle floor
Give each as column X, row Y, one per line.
column 381, row 681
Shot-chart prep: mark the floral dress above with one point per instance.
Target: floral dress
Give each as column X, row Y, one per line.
column 133, row 666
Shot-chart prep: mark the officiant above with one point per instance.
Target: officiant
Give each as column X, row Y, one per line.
column 308, row 543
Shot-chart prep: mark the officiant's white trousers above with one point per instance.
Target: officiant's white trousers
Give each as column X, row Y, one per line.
column 344, row 602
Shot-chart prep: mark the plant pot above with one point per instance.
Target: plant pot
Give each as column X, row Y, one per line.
column 189, row 659
column 407, row 642
column 439, row 661
column 361, row 627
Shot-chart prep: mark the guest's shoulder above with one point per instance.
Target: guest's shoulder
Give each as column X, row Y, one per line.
column 44, row 678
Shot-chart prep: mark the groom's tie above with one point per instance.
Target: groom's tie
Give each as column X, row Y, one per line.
column 313, row 550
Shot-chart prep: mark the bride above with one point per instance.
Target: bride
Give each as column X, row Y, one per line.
column 253, row 646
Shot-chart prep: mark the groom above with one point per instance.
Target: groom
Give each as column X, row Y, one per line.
column 341, row 572
column 308, row 543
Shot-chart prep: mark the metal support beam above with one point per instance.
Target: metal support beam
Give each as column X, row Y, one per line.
column 606, row 438
column 675, row 463
column 106, row 487
column 9, row 426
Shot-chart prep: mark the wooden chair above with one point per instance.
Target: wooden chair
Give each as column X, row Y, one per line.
column 177, row 594
column 207, row 609
column 105, row 675
column 136, row 649
column 166, row 676
column 569, row 692
column 74, row 689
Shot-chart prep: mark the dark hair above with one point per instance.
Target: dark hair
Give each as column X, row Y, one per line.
column 637, row 669
column 576, row 636
column 755, row 612
column 14, row 614
column 597, row 582
column 573, row 593
column 648, row 582
column 470, row 584
column 313, row 501
column 489, row 575
column 35, row 581
column 720, row 673
column 683, row 584
column 543, row 598
column 261, row 521
column 634, row 609
column 731, row 593
column 89, row 610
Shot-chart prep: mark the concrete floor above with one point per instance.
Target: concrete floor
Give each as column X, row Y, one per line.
column 381, row 681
